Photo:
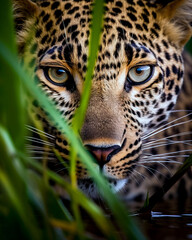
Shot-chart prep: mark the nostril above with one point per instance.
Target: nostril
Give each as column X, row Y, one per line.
column 103, row 154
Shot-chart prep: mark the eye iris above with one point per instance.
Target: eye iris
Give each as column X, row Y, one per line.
column 139, row 74
column 58, row 75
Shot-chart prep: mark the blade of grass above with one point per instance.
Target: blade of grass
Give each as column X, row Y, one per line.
column 95, row 34
column 119, row 211
column 27, row 193
column 84, row 202
column 12, row 174
column 156, row 197
column 10, row 84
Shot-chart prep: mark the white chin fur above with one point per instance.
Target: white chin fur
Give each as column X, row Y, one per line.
column 90, row 189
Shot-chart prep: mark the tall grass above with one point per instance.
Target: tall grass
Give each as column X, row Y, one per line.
column 29, row 208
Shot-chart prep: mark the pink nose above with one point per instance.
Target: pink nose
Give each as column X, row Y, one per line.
column 103, row 155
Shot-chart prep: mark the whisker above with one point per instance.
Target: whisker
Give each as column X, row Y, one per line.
column 164, row 157
column 141, row 175
column 132, row 175
column 33, row 147
column 40, row 132
column 154, row 132
column 167, row 138
column 174, row 125
column 64, row 168
column 167, row 154
column 168, row 161
column 41, row 152
column 40, row 141
column 151, row 170
column 184, row 110
column 41, row 158
column 165, row 144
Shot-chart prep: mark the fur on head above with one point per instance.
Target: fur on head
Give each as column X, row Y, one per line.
column 176, row 16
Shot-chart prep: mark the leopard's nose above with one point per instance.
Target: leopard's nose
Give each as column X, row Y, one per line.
column 103, row 154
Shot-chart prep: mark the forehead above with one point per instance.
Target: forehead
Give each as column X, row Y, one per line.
column 67, row 25
column 128, row 15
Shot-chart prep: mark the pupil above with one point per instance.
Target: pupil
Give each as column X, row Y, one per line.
column 139, row 70
column 60, row 72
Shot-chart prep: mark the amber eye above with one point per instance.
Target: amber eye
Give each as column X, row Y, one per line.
column 57, row 76
column 140, row 74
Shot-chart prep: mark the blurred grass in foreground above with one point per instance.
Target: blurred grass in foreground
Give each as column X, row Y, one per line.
column 29, row 208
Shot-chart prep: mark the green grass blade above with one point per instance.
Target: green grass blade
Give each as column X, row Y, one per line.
column 117, row 208
column 96, row 25
column 95, row 35
column 8, row 59
column 157, row 196
column 11, row 95
column 84, row 202
column 11, row 173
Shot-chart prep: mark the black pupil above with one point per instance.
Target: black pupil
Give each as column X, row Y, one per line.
column 139, row 70
column 59, row 71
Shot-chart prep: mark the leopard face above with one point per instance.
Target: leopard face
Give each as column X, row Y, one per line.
column 137, row 78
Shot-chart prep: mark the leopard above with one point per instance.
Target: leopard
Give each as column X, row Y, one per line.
column 137, row 124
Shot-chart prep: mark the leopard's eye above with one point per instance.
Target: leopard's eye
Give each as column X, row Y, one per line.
column 57, row 76
column 140, row 74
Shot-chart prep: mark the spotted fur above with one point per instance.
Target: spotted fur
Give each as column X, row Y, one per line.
column 124, row 121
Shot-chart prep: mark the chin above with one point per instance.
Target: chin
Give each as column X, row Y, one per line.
column 89, row 187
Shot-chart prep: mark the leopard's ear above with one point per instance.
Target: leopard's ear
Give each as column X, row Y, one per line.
column 177, row 18
column 23, row 10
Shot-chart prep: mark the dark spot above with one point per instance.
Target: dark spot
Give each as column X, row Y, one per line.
column 165, row 43
column 154, row 32
column 67, row 53
column 167, row 55
column 145, row 18
column 67, row 6
column 121, row 33
column 132, row 16
column 72, row 28
column 160, row 111
column 43, row 40
column 161, row 118
column 170, row 83
column 117, row 48
column 84, row 57
column 126, row 23
column 73, row 10
column 171, row 105
column 154, row 15
column 169, row 96
column 58, row 13
column 45, row 4
column 158, row 48
column 49, row 25
column 65, row 23
column 138, row 26
column 74, row 35
column 55, row 5
column 167, row 72
column 38, row 33
column 116, row 10
column 177, row 89
column 174, row 69
column 140, row 3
